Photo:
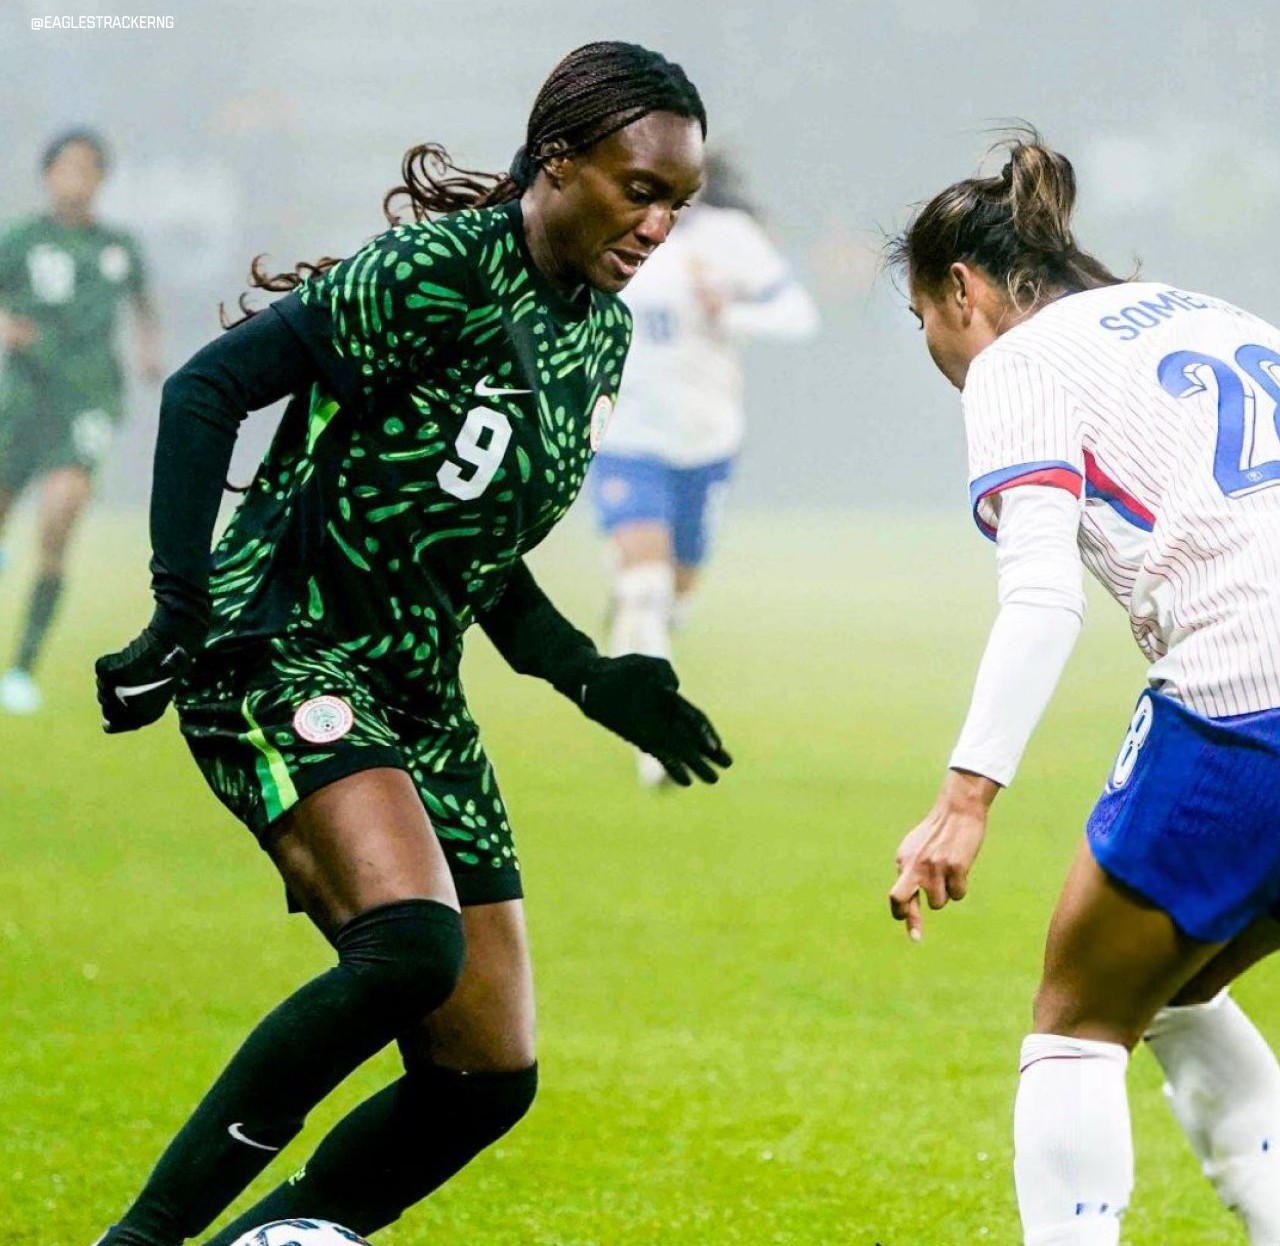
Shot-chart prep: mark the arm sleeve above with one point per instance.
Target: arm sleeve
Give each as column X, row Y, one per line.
column 11, row 255
column 384, row 316
column 1041, row 611
column 535, row 638
column 785, row 313
column 765, row 298
column 202, row 407
column 138, row 279
column 1023, row 427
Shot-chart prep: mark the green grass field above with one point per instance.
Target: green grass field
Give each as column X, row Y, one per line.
column 738, row 1045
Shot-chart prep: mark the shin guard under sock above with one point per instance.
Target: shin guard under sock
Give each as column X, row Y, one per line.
column 395, row 1148
column 1223, row 1084
column 396, row 964
column 1073, row 1155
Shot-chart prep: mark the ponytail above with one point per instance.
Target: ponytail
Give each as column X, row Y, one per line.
column 1015, row 226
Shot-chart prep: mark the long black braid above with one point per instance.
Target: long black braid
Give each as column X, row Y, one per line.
column 597, row 90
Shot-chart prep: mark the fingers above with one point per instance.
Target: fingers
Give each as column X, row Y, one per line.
column 915, row 922
column 904, row 904
column 117, row 718
column 710, row 741
column 700, row 739
column 136, row 684
column 700, row 768
column 936, row 882
column 938, row 885
column 635, row 696
column 676, row 772
column 941, row 882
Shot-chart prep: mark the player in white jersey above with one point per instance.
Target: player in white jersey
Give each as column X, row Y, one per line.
column 659, row 481
column 1130, row 428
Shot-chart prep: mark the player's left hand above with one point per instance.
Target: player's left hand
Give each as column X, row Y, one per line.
column 937, row 855
column 635, row 696
column 136, row 684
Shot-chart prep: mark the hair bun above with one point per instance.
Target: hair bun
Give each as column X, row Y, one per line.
column 1042, row 195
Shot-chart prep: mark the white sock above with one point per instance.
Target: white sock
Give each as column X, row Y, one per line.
column 1073, row 1154
column 1223, row 1084
column 681, row 608
column 642, row 598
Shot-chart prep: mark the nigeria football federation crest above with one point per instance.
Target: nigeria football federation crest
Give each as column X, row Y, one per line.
column 323, row 720
column 601, row 413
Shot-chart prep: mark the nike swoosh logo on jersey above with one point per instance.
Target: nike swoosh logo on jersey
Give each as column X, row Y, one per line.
column 238, row 1134
column 484, row 390
column 138, row 689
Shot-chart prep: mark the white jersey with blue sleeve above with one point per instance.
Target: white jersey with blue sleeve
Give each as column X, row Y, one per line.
column 681, row 395
column 1159, row 410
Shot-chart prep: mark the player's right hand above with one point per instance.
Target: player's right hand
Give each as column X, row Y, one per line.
column 935, row 857
column 136, row 684
column 16, row 332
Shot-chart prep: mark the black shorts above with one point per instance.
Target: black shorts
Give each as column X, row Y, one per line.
column 270, row 725
column 42, row 430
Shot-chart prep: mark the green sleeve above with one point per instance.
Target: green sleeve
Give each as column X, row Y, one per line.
column 138, row 279
column 389, row 312
column 12, row 256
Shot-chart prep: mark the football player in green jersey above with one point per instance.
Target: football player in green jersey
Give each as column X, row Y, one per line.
column 449, row 385
column 63, row 278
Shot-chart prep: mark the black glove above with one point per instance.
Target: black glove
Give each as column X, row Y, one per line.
column 136, row 685
column 635, row 696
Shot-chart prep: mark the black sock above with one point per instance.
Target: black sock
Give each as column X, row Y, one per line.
column 40, row 612
column 395, row 1148
column 396, row 963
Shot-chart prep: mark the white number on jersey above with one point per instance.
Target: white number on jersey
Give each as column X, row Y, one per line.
column 484, row 458
column 1245, row 458
column 53, row 274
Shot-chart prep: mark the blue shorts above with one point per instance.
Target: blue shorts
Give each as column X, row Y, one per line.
column 1190, row 816
column 687, row 500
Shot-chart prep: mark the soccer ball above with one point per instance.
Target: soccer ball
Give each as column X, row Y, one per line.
column 301, row 1233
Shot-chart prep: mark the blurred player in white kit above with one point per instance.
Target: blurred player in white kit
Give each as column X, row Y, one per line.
column 1133, row 428
column 659, row 482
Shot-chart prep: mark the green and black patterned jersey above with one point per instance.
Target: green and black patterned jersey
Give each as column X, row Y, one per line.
column 461, row 403
column 69, row 282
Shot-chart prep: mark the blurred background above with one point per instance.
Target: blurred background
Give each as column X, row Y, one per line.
column 254, row 127
column 738, row 1046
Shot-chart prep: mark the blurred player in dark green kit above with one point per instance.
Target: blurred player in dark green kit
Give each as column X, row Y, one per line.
column 63, row 278
column 449, row 384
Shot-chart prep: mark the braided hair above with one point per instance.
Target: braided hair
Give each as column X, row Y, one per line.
column 597, row 90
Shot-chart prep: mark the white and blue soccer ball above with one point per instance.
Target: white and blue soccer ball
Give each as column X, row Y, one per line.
column 301, row 1233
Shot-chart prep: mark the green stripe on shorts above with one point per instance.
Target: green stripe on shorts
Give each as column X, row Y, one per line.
column 278, row 792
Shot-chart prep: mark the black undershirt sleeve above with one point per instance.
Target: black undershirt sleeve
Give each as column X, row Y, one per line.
column 535, row 638
column 202, row 407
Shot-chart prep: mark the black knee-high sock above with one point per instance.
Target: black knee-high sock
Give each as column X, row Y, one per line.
column 395, row 1148
column 40, row 611
column 396, row 963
